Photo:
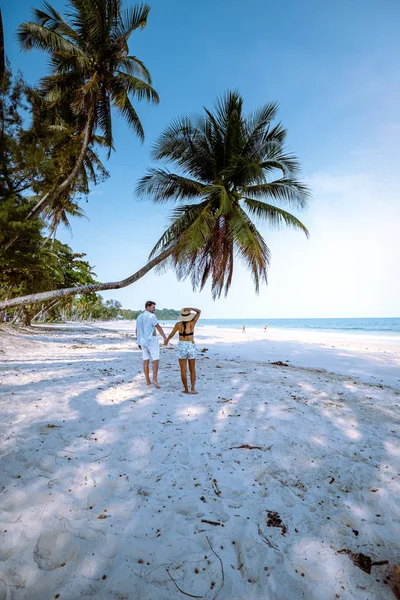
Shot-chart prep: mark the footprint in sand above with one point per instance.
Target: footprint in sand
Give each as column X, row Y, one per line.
column 9, row 546
column 54, row 550
column 4, row 590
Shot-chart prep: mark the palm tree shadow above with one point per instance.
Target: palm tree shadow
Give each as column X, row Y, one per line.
column 278, row 468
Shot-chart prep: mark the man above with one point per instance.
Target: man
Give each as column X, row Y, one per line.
column 146, row 337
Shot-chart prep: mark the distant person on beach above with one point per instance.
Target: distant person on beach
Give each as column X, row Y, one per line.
column 265, row 328
column 244, row 328
column 186, row 349
column 147, row 340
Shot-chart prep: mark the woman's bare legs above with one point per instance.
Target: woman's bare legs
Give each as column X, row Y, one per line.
column 183, row 368
column 192, row 370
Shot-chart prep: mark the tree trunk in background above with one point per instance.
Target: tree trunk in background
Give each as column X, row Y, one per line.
column 27, row 315
column 85, row 289
column 43, row 311
column 48, row 198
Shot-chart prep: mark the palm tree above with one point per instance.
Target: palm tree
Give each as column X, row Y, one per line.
column 52, row 133
column 92, row 67
column 60, row 211
column 227, row 165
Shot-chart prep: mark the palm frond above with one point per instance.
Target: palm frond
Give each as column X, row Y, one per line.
column 275, row 159
column 137, row 87
column 133, row 66
column 183, row 143
column 87, row 95
column 250, row 246
column 121, row 101
column 223, row 158
column 96, row 169
column 133, row 18
column 173, row 141
column 182, row 219
column 257, row 126
column 54, row 21
column 163, row 186
column 104, row 120
column 221, row 199
column 287, row 190
column 226, row 106
column 31, row 35
column 273, row 215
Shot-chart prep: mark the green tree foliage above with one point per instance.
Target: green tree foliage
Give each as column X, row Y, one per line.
column 129, row 314
column 227, row 165
column 91, row 72
column 167, row 314
column 32, row 154
column 93, row 306
column 20, row 161
column 231, row 170
column 34, row 267
column 24, row 262
column 52, row 131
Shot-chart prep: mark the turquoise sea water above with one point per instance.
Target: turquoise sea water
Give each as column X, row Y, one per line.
column 386, row 326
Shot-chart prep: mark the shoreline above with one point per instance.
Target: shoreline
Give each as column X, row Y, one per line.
column 276, row 332
column 371, row 359
column 272, row 482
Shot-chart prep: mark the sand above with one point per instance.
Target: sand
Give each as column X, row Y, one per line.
column 274, row 482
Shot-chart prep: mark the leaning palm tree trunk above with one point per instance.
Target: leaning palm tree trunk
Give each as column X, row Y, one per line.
column 50, row 196
column 86, row 289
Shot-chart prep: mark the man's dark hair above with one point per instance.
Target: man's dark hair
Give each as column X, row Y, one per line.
column 149, row 303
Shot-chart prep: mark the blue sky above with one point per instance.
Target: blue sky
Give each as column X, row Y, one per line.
column 335, row 72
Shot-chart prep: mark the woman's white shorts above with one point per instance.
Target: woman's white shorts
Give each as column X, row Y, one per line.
column 186, row 350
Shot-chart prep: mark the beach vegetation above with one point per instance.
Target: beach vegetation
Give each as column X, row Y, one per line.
column 91, row 73
column 227, row 171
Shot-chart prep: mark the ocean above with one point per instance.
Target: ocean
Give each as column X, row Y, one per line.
column 386, row 326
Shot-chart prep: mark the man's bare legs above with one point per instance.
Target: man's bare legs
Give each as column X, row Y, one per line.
column 183, row 368
column 146, row 371
column 192, row 370
column 155, row 373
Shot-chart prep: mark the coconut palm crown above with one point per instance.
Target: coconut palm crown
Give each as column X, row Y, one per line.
column 90, row 60
column 231, row 168
column 91, row 69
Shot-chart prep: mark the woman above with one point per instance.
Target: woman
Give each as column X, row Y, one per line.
column 186, row 348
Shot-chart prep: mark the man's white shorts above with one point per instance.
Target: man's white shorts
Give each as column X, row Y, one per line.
column 151, row 350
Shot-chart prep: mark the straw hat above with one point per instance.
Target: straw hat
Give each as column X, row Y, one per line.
column 186, row 315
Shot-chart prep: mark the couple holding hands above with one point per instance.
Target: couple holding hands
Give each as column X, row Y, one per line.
column 147, row 326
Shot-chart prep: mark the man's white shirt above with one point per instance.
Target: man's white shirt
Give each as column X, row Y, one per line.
column 145, row 327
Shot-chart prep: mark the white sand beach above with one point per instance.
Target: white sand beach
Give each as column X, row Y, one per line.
column 275, row 482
